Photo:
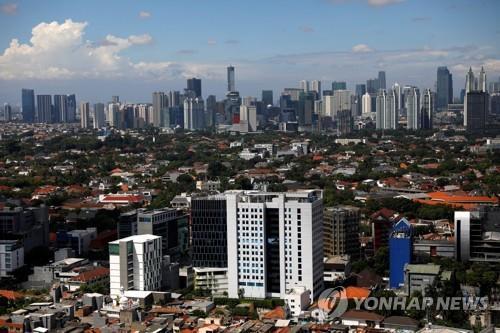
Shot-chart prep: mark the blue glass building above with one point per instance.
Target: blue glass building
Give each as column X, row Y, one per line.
column 400, row 250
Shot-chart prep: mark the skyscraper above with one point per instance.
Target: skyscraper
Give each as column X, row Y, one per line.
column 481, row 83
column 366, row 104
column 99, row 119
column 70, row 108
column 44, row 108
column 60, row 109
column 444, row 88
column 114, row 116
column 267, row 97
column 341, row 101
column 360, row 89
column 248, row 118
column 341, row 231
column 230, row 79
column 386, row 110
column 194, row 115
column 398, row 94
column 7, row 112
column 85, row 114
column 28, row 105
column 412, row 100
column 275, row 243
column 339, row 85
column 316, row 87
column 194, row 85
column 475, row 101
column 304, row 85
column 427, row 106
column 381, row 80
column 160, row 103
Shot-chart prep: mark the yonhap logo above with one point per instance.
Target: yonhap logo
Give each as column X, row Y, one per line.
column 333, row 303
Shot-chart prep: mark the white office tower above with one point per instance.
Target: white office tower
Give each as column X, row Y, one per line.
column 328, row 106
column 386, row 110
column 142, row 117
column 316, row 87
column 481, row 84
column 412, row 97
column 366, row 104
column 194, row 114
column 114, row 117
column 135, row 264
column 160, row 102
column 341, row 101
column 84, row 114
column 304, row 85
column 248, row 118
column 398, row 96
column 99, row 118
column 274, row 243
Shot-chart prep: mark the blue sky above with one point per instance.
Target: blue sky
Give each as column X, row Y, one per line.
column 131, row 48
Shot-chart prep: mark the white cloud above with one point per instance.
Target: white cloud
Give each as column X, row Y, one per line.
column 381, row 3
column 361, row 48
column 59, row 51
column 8, row 8
column 144, row 15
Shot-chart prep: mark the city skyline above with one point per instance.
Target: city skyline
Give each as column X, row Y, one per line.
column 79, row 49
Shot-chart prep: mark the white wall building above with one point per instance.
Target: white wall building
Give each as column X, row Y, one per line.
column 275, row 243
column 135, row 264
column 11, row 256
column 213, row 279
column 366, row 104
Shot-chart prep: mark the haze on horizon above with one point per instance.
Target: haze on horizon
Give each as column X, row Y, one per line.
column 131, row 48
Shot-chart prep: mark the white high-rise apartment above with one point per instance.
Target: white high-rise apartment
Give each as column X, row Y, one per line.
column 194, row 114
column 114, row 117
column 387, row 117
column 135, row 264
column 248, row 118
column 316, row 86
column 304, row 85
column 412, row 97
column 84, row 114
column 366, row 104
column 328, row 106
column 274, row 243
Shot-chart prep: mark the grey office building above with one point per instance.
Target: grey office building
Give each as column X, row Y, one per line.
column 44, row 108
column 444, row 86
column 194, row 85
column 28, row 105
column 477, row 110
column 341, row 231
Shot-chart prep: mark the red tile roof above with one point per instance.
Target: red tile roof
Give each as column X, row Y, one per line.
column 91, row 275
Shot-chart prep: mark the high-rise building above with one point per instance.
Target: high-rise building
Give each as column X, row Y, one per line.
column 444, row 88
column 412, row 101
column 60, row 109
column 267, row 97
column 99, row 119
column 115, row 99
column 366, row 102
column 341, row 101
column 231, row 85
column 339, row 85
column 209, row 231
column 232, row 107
column 194, row 85
column 372, row 86
column 360, row 89
column 427, row 112
column 400, row 251
column 476, row 110
column 386, row 110
column 304, row 85
column 341, row 231
column 135, row 263
column 398, row 94
column 275, row 242
column 160, row 104
column 114, row 116
column 44, row 108
column 316, row 87
column 344, row 122
column 248, row 118
column 28, row 105
column 7, row 112
column 305, row 109
column 481, row 83
column 328, row 108
column 381, row 80
column 70, row 108
column 85, row 114
column 194, row 114
column 475, row 235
